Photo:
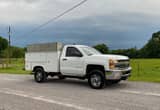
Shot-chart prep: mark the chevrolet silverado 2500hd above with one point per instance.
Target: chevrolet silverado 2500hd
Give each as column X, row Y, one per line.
column 76, row 61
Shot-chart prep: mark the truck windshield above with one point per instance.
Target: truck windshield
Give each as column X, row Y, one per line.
column 90, row 51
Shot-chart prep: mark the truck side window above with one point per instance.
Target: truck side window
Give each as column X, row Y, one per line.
column 73, row 52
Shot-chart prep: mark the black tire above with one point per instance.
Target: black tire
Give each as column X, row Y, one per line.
column 124, row 78
column 61, row 77
column 96, row 79
column 39, row 75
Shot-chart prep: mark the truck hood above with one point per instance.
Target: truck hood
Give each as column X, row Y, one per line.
column 111, row 56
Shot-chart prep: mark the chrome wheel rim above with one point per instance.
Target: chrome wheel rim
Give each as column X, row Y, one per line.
column 96, row 80
column 39, row 76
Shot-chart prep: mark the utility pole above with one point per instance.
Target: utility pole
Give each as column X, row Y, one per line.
column 9, row 44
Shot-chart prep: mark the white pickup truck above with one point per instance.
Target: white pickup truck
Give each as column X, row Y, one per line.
column 76, row 61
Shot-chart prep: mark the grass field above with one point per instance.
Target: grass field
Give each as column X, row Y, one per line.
column 142, row 69
column 145, row 70
column 16, row 67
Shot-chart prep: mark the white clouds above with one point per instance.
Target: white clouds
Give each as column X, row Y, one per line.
column 14, row 1
column 31, row 11
column 131, row 21
column 36, row 11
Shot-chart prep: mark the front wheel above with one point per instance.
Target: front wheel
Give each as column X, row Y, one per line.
column 96, row 79
column 40, row 75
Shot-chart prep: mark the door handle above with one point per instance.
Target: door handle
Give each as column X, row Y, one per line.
column 64, row 59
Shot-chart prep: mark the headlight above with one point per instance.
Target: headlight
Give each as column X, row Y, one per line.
column 112, row 63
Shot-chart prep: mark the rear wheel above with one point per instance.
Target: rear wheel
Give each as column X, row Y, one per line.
column 61, row 77
column 96, row 79
column 40, row 75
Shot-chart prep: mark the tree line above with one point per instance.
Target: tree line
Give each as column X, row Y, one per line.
column 15, row 52
column 149, row 50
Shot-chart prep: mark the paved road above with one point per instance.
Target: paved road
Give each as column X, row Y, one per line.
column 20, row 92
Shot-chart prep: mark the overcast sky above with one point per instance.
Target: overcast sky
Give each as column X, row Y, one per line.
column 117, row 23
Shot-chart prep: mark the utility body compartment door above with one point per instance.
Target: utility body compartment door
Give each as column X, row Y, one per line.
column 72, row 62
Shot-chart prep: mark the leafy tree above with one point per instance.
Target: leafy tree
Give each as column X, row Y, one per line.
column 132, row 52
column 3, row 44
column 103, row 48
column 152, row 48
column 17, row 52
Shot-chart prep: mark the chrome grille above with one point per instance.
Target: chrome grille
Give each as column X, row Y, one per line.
column 122, row 64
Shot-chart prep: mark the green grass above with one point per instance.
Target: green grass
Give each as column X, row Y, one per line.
column 16, row 67
column 142, row 69
column 145, row 70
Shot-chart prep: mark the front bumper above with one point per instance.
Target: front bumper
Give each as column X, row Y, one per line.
column 118, row 74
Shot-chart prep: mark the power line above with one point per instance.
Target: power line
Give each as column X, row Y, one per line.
column 57, row 17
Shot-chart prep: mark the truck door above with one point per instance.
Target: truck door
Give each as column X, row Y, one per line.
column 72, row 62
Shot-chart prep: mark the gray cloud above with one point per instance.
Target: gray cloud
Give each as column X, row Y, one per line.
column 100, row 29
column 37, row 11
column 120, row 24
column 13, row 1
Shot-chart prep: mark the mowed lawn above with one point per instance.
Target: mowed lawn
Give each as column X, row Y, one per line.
column 142, row 69
column 145, row 70
column 15, row 67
